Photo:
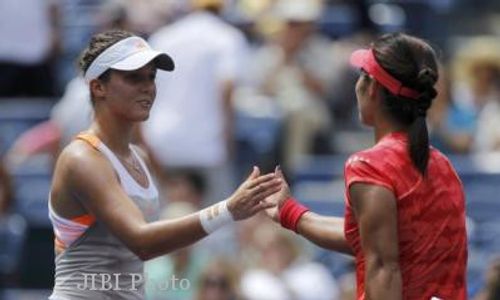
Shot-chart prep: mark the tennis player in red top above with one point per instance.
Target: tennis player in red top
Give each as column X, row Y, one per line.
column 405, row 215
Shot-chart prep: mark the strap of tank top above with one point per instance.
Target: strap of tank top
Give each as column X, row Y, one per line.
column 90, row 138
column 96, row 143
column 123, row 175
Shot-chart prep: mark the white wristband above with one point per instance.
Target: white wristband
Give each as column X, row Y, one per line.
column 215, row 217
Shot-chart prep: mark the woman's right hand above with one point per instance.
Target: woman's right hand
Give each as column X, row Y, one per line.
column 250, row 196
column 279, row 198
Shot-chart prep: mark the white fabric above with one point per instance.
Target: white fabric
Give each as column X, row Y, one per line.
column 128, row 54
column 215, row 217
column 487, row 137
column 73, row 113
column 65, row 230
column 25, row 31
column 304, row 281
column 186, row 127
column 298, row 10
column 69, row 231
column 263, row 285
column 131, row 187
column 311, row 281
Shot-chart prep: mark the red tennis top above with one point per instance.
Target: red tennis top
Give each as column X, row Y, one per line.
column 431, row 219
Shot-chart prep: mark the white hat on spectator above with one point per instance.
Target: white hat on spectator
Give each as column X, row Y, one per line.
column 298, row 10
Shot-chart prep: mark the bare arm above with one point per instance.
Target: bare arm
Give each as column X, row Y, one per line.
column 324, row 231
column 376, row 213
column 102, row 195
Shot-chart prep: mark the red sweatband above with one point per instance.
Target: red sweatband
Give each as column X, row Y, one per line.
column 290, row 213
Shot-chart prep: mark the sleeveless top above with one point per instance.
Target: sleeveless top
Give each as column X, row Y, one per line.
column 94, row 264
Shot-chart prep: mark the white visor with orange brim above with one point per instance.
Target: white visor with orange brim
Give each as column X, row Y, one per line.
column 127, row 55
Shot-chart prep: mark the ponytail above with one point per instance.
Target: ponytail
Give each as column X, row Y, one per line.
column 418, row 134
column 418, row 145
column 413, row 63
column 412, row 114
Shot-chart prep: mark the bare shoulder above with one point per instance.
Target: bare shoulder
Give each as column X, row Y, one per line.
column 80, row 164
column 77, row 155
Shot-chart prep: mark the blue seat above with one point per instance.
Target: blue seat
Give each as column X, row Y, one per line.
column 320, row 168
column 324, row 197
column 12, row 238
column 338, row 264
column 261, row 132
column 257, row 139
column 339, row 20
column 18, row 115
column 487, row 236
column 31, row 186
column 482, row 201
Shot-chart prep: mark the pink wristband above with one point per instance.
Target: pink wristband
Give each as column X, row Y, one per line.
column 290, row 213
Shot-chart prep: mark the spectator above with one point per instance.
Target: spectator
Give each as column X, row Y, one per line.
column 192, row 124
column 219, row 281
column 295, row 70
column 73, row 112
column 187, row 186
column 30, row 36
column 283, row 271
column 492, row 289
column 12, row 231
column 6, row 193
column 475, row 94
column 183, row 264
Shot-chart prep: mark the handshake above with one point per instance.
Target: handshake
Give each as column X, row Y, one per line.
column 269, row 192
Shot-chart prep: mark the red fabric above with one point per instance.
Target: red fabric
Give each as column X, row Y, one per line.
column 290, row 213
column 431, row 219
column 38, row 138
column 365, row 59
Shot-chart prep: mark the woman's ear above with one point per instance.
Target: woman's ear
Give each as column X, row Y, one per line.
column 97, row 88
column 375, row 91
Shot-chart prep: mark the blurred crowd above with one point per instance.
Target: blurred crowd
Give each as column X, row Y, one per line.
column 282, row 60
column 256, row 82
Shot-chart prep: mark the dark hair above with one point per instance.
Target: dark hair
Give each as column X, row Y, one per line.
column 98, row 43
column 6, row 190
column 197, row 181
column 413, row 62
column 192, row 177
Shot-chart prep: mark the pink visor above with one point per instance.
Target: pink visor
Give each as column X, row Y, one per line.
column 365, row 59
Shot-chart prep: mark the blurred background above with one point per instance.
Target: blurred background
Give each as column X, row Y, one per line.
column 258, row 82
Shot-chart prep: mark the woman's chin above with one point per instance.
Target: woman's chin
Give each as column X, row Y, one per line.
column 140, row 117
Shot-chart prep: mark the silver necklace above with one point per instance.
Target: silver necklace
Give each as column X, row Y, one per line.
column 134, row 164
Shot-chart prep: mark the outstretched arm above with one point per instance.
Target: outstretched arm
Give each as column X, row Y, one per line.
column 324, row 231
column 83, row 173
column 376, row 213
